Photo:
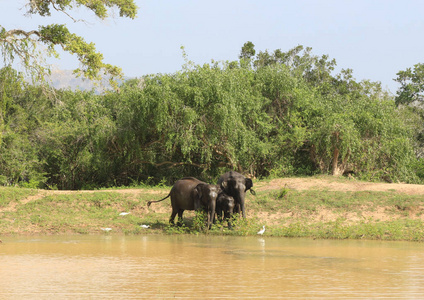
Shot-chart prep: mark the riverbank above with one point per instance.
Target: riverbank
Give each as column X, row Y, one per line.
column 317, row 207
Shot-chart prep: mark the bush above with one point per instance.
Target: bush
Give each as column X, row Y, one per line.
column 275, row 117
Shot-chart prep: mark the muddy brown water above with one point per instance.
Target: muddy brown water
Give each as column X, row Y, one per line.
column 202, row 267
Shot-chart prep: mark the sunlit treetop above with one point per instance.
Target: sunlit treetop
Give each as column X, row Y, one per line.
column 127, row 8
column 24, row 46
column 411, row 89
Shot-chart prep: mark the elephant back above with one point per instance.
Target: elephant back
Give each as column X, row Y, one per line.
column 186, row 183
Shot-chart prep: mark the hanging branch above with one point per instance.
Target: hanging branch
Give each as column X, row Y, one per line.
column 18, row 44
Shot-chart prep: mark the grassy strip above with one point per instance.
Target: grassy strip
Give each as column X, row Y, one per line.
column 9, row 194
column 80, row 213
column 286, row 213
column 410, row 230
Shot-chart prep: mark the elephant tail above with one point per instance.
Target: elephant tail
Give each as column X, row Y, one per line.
column 150, row 202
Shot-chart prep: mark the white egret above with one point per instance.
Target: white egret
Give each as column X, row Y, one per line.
column 261, row 232
column 145, row 226
column 124, row 213
column 107, row 229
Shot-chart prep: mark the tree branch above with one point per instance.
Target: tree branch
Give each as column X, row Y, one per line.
column 17, row 32
column 173, row 164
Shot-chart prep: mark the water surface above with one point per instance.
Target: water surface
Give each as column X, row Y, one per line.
column 199, row 267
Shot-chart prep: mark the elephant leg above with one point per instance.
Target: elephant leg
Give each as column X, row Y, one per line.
column 243, row 212
column 172, row 218
column 237, row 209
column 219, row 215
column 229, row 225
column 227, row 218
column 197, row 204
column 215, row 218
column 180, row 217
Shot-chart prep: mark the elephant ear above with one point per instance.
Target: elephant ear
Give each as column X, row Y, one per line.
column 248, row 183
column 224, row 185
column 220, row 189
column 199, row 189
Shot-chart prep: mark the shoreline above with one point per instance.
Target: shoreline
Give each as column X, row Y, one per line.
column 322, row 207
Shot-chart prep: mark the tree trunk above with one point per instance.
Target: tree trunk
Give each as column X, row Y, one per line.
column 335, row 169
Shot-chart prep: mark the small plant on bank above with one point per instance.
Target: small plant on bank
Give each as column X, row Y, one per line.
column 175, row 229
column 199, row 221
column 244, row 226
column 283, row 192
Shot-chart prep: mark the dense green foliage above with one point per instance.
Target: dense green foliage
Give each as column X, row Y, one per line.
column 412, row 85
column 277, row 114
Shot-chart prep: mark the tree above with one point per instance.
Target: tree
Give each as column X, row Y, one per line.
column 23, row 107
column 25, row 45
column 331, row 123
column 247, row 51
column 412, row 85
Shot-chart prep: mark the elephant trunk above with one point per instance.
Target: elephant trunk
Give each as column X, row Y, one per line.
column 239, row 199
column 243, row 211
column 211, row 214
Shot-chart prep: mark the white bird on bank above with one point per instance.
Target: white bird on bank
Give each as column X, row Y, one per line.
column 145, row 226
column 261, row 232
column 107, row 229
column 124, row 213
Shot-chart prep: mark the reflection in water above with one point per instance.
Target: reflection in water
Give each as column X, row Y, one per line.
column 208, row 267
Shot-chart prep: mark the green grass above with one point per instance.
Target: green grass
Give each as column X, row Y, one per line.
column 342, row 201
column 9, row 194
column 285, row 212
column 76, row 213
column 391, row 230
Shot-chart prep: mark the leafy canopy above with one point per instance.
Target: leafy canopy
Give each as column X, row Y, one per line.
column 18, row 44
column 268, row 114
column 412, row 85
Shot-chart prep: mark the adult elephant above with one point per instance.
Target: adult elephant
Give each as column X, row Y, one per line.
column 236, row 185
column 185, row 196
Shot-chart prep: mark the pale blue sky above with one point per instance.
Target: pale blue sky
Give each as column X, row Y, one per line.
column 375, row 38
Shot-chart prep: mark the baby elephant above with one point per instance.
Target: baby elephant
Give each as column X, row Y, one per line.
column 206, row 199
column 225, row 205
